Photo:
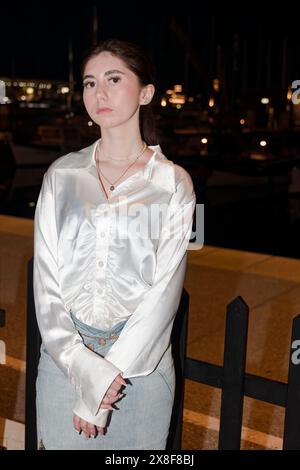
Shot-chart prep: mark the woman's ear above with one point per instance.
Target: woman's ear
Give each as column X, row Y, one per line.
column 147, row 94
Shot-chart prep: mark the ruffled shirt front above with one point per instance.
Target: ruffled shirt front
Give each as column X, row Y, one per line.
column 109, row 260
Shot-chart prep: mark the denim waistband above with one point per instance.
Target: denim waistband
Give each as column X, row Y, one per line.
column 91, row 333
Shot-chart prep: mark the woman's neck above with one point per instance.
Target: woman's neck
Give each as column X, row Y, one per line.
column 120, row 148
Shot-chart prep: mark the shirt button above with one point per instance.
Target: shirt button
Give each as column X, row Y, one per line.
column 87, row 286
column 100, row 263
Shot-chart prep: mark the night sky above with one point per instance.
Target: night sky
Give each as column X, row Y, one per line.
column 34, row 39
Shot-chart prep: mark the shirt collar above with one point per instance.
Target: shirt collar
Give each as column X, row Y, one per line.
column 159, row 170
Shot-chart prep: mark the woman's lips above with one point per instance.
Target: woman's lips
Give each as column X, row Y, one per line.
column 103, row 110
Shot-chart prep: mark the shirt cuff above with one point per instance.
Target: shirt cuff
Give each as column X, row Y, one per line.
column 91, row 375
column 81, row 410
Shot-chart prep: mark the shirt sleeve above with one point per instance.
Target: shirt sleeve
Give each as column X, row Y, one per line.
column 90, row 373
column 146, row 334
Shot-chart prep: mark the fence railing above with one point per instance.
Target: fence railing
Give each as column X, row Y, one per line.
column 236, row 383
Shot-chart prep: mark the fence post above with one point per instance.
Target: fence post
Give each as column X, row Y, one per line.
column 179, row 347
column 2, row 324
column 2, row 317
column 32, row 359
column 233, row 375
column 2, row 343
column 291, row 438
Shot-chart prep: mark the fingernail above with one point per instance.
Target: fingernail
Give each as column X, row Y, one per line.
column 93, row 435
column 121, row 395
column 123, row 381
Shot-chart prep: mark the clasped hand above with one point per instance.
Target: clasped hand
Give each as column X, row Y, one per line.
column 111, row 396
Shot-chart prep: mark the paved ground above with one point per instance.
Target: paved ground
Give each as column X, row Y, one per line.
column 270, row 285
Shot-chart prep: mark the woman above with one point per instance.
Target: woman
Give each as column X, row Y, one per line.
column 112, row 226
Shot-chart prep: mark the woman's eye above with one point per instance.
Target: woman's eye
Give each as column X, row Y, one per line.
column 89, row 84
column 115, row 79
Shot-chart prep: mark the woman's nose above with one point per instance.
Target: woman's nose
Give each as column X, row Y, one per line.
column 101, row 92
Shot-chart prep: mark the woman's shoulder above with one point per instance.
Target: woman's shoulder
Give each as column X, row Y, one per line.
column 181, row 176
column 72, row 160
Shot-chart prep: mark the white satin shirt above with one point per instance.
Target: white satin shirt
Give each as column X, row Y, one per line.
column 108, row 260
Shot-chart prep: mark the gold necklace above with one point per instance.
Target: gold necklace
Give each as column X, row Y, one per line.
column 112, row 187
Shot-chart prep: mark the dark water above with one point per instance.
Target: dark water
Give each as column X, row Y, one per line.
column 266, row 224
column 21, row 204
column 262, row 226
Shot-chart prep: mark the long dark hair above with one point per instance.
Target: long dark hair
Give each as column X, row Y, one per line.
column 137, row 61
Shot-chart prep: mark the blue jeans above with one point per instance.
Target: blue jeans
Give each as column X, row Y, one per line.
column 143, row 418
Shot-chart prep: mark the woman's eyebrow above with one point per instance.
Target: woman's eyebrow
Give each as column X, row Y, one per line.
column 88, row 76
column 109, row 72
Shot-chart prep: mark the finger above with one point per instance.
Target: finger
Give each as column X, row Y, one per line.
column 109, row 400
column 112, row 400
column 76, row 424
column 118, row 383
column 100, row 430
column 106, row 401
column 114, row 387
column 84, row 427
column 117, row 397
column 120, row 380
column 91, row 429
column 85, row 431
column 112, row 392
column 106, row 406
column 111, row 407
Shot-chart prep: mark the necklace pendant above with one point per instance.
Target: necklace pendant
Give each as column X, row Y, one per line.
column 112, row 188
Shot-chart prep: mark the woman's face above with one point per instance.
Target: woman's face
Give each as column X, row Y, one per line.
column 112, row 93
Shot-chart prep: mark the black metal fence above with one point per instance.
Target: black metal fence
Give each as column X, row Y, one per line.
column 231, row 378
column 2, row 317
column 236, row 383
column 2, row 324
